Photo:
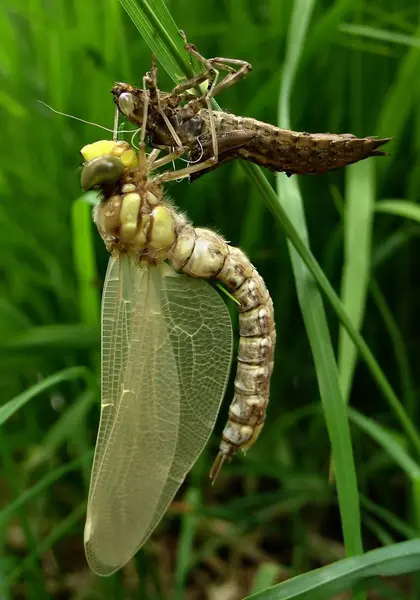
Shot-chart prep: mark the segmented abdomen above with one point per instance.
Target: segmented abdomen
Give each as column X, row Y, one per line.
column 203, row 253
column 294, row 152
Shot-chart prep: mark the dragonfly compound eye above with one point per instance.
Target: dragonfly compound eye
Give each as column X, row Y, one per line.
column 100, row 170
column 127, row 103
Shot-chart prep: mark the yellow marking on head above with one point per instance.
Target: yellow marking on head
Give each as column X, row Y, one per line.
column 97, row 149
column 126, row 153
column 121, row 150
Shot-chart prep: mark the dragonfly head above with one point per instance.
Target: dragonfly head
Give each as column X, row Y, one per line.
column 106, row 161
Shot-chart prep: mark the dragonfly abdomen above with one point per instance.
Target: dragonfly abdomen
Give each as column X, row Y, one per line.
column 255, row 355
column 203, row 253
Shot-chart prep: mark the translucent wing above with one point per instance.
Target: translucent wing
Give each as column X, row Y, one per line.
column 166, row 354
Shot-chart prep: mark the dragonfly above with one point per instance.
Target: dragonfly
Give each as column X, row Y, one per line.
column 185, row 122
column 166, row 349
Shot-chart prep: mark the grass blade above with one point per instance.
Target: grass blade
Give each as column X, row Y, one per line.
column 265, row 577
column 400, row 208
column 9, row 408
column 186, row 540
column 84, row 260
column 42, row 485
column 313, row 312
column 388, row 442
column 381, row 34
column 358, row 222
column 324, row 583
column 155, row 23
column 48, row 542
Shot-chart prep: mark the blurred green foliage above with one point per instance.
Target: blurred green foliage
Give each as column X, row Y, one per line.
column 359, row 73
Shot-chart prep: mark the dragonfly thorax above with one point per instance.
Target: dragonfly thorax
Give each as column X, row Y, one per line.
column 137, row 219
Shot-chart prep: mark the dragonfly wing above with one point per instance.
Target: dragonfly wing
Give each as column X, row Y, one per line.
column 156, row 337
column 200, row 329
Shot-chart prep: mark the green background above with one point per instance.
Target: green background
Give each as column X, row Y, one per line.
column 273, row 513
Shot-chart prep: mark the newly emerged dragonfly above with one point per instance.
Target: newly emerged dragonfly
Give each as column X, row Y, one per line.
column 187, row 123
column 166, row 350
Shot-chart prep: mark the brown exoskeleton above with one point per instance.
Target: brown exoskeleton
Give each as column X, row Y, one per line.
column 183, row 122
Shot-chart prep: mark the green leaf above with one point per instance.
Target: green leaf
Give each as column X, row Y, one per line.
column 43, row 484
column 84, row 258
column 384, row 35
column 313, row 311
column 400, row 208
column 63, row 430
column 265, row 576
column 388, row 442
column 10, row 408
column 156, row 25
column 358, row 223
column 60, row 531
column 51, row 337
column 186, row 540
column 324, row 583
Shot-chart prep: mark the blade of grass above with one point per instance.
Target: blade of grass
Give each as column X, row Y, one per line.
column 358, row 222
column 48, row 542
column 398, row 346
column 63, row 431
column 84, row 259
column 53, row 337
column 9, row 408
column 401, row 208
column 186, row 540
column 399, row 526
column 403, row 94
column 41, row 485
column 394, row 449
column 265, row 577
column 388, row 442
column 378, row 530
column 381, row 34
column 324, row 583
column 394, row 242
column 155, row 23
column 37, row 588
column 313, row 311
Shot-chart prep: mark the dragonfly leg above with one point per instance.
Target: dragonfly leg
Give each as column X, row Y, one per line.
column 186, row 172
column 151, row 158
column 227, row 143
column 142, row 145
column 150, row 82
column 178, row 93
column 237, row 69
column 156, row 164
column 234, row 75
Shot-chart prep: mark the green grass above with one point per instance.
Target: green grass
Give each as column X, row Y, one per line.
column 345, row 65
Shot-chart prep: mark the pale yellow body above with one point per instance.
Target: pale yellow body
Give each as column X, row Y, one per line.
column 142, row 230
